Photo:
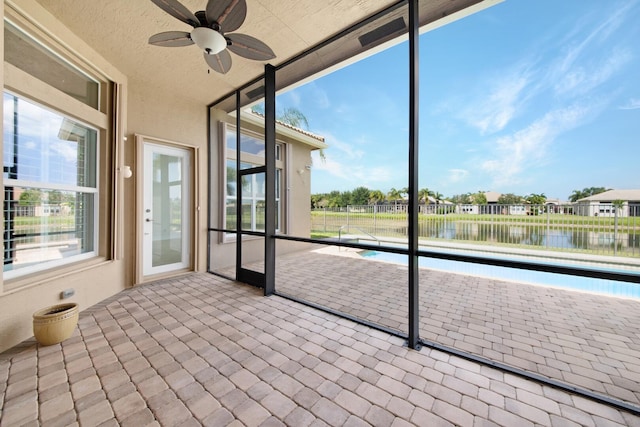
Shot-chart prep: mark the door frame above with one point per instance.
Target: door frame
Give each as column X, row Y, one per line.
column 245, row 275
column 193, row 213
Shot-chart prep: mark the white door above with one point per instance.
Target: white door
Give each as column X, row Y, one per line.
column 167, row 209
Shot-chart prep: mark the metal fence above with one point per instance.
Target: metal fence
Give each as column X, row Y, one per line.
column 602, row 228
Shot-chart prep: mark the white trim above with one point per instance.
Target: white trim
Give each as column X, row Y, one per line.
column 286, row 186
column 286, row 131
column 59, row 57
column 186, row 195
column 10, row 182
column 94, row 193
column 47, row 265
column 222, row 166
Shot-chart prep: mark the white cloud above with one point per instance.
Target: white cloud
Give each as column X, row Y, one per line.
column 597, row 35
column 320, row 97
column 66, row 150
column 497, row 109
column 354, row 175
column 515, row 154
column 347, row 150
column 344, row 161
column 582, row 79
column 581, row 62
column 294, row 98
column 457, row 175
column 632, row 104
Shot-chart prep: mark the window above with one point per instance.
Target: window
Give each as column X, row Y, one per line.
column 56, row 163
column 50, row 187
column 253, row 185
column 27, row 54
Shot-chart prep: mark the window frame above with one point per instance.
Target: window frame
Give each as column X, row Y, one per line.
column 43, row 185
column 28, row 87
column 62, row 60
column 230, row 155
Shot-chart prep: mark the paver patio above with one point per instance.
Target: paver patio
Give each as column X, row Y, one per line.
column 202, row 350
column 587, row 340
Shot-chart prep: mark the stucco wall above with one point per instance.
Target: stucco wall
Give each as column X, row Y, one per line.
column 149, row 111
column 153, row 113
column 296, row 191
column 92, row 281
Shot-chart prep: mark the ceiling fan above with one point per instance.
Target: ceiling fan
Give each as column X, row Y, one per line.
column 209, row 32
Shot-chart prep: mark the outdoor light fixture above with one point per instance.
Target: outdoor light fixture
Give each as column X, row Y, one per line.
column 208, row 40
column 126, row 171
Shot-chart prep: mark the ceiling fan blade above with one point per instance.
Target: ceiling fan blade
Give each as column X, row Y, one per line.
column 171, row 39
column 249, row 47
column 177, row 10
column 230, row 14
column 220, row 62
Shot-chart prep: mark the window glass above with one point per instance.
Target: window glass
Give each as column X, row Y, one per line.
column 43, row 146
column 230, row 136
column 252, row 145
column 26, row 54
column 49, row 167
column 253, row 185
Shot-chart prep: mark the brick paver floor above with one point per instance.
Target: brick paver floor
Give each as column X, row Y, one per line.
column 202, row 350
column 587, row 340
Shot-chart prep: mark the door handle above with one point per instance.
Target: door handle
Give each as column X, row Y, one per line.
column 148, row 220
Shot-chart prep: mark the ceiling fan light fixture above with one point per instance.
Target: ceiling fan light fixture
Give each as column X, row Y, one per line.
column 213, row 32
column 208, row 40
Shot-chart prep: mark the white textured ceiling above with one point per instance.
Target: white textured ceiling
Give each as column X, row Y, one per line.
column 120, row 29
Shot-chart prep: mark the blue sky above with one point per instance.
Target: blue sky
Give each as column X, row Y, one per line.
column 528, row 96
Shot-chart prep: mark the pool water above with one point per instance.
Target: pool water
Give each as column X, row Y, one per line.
column 587, row 284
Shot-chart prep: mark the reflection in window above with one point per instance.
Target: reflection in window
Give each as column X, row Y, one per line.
column 249, row 144
column 50, row 187
column 31, row 57
column 253, row 185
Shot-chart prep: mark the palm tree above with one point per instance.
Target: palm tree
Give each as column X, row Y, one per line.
column 375, row 196
column 404, row 190
column 423, row 195
column 291, row 116
column 294, row 117
column 586, row 192
column 394, row 195
column 576, row 195
column 536, row 199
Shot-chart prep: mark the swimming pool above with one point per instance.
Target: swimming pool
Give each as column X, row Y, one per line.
column 587, row 284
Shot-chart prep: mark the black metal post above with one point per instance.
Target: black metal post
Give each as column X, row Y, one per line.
column 209, row 189
column 414, row 303
column 270, row 179
column 238, row 190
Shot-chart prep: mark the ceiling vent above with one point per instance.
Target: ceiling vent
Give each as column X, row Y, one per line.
column 386, row 31
column 256, row 93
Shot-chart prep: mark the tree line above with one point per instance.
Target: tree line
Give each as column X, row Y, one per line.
column 365, row 196
column 36, row 197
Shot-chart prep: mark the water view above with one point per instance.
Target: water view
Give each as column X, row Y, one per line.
column 594, row 235
column 627, row 243
column 585, row 284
